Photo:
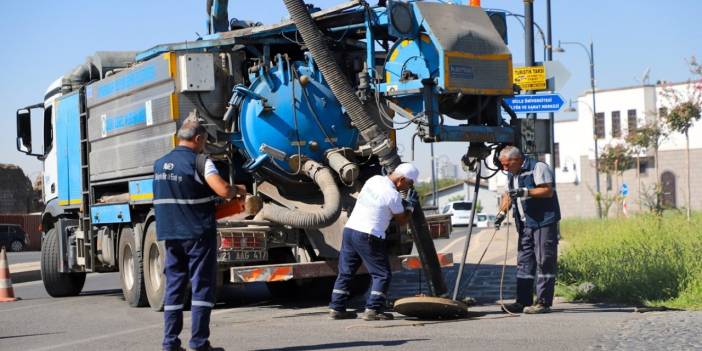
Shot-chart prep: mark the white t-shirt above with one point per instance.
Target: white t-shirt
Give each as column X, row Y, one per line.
column 378, row 202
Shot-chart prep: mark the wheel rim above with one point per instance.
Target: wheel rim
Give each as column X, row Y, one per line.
column 16, row 246
column 155, row 267
column 128, row 265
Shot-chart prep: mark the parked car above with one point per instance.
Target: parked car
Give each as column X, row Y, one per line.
column 459, row 211
column 13, row 237
column 481, row 220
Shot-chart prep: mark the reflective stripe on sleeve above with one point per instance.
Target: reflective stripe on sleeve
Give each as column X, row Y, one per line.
column 339, row 291
column 547, row 276
column 525, row 276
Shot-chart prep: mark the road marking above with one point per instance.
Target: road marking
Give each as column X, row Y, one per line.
column 124, row 332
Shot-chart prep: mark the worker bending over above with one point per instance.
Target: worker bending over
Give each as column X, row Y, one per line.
column 364, row 240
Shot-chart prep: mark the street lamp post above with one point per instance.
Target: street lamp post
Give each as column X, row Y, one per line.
column 591, row 56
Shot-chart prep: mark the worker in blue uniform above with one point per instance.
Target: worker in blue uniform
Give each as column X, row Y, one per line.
column 532, row 196
column 364, row 240
column 184, row 190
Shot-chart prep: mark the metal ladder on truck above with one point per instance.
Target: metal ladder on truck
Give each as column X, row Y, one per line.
column 84, row 239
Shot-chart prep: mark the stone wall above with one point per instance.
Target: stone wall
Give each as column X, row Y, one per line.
column 577, row 199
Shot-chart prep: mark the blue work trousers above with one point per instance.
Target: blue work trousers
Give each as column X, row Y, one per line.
column 194, row 261
column 536, row 259
column 357, row 247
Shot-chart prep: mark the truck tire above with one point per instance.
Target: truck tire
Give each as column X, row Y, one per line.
column 130, row 270
column 154, row 278
column 57, row 284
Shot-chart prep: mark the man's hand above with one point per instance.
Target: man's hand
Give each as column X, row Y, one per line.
column 499, row 218
column 519, row 192
column 412, row 201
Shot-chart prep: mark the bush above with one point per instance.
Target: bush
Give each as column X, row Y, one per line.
column 645, row 259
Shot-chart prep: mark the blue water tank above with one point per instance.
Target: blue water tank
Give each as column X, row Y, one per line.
column 285, row 113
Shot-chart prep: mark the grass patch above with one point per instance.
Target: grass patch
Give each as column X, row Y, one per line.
column 644, row 259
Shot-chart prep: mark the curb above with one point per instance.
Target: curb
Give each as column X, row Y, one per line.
column 25, row 272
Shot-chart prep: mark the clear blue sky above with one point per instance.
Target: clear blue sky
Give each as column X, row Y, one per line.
column 44, row 39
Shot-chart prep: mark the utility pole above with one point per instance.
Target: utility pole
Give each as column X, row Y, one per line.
column 551, row 115
column 529, row 43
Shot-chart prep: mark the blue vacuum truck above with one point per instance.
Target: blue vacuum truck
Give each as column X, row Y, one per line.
column 301, row 112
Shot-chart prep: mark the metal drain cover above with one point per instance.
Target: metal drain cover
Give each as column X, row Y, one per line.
column 430, row 307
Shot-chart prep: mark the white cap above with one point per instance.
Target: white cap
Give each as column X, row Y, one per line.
column 408, row 171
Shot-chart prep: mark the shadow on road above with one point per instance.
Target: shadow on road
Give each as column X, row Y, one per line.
column 341, row 345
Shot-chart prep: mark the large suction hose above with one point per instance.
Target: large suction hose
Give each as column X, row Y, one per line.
column 331, row 209
column 357, row 111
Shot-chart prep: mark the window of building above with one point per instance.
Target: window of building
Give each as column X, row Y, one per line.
column 616, row 124
column 631, row 121
column 646, row 163
column 600, row 125
column 556, row 155
column 609, row 182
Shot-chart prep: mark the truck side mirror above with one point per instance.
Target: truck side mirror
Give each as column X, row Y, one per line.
column 24, row 129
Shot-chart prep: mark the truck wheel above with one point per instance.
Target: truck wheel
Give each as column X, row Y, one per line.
column 130, row 270
column 154, row 278
column 57, row 284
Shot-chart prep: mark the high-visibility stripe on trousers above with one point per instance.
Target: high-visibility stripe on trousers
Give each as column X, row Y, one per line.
column 194, row 261
column 357, row 248
column 536, row 257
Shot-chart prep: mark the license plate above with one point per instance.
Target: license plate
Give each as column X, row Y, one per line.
column 243, row 255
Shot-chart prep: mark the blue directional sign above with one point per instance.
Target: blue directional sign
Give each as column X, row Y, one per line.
column 535, row 103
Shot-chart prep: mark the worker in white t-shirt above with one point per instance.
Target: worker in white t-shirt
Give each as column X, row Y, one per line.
column 364, row 240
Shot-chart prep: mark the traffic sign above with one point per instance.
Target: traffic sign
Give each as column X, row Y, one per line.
column 535, row 103
column 624, row 190
column 530, row 78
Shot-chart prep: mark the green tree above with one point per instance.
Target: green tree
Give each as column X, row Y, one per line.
column 614, row 159
column 425, row 189
column 650, row 135
column 685, row 109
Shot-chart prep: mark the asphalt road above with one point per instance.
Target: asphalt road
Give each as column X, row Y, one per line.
column 99, row 319
column 249, row 319
column 23, row 257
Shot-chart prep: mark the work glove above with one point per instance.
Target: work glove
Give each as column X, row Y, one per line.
column 517, row 193
column 499, row 218
column 411, row 201
column 407, row 205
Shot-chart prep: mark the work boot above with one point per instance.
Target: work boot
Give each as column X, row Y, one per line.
column 537, row 309
column 334, row 314
column 373, row 315
column 208, row 347
column 513, row 307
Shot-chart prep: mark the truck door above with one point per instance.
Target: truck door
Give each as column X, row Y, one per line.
column 68, row 182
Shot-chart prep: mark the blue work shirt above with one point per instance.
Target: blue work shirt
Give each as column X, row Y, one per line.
column 183, row 201
column 538, row 212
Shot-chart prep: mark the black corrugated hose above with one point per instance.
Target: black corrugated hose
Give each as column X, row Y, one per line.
column 358, row 112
